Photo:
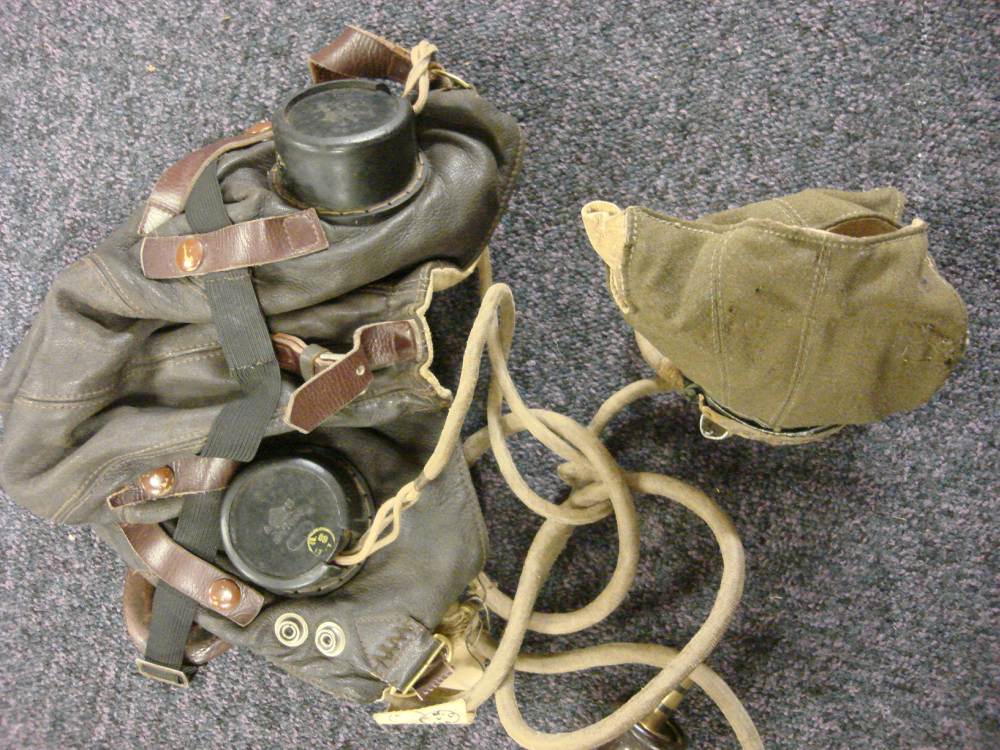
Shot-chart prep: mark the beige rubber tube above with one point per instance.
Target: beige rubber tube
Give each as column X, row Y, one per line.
column 648, row 654
column 600, row 488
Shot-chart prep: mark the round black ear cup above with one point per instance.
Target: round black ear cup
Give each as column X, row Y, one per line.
column 347, row 148
column 285, row 518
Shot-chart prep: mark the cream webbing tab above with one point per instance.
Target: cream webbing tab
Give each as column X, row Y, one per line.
column 605, row 225
column 451, row 712
column 607, row 230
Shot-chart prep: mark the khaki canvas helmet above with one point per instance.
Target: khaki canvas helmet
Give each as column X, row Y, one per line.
column 791, row 317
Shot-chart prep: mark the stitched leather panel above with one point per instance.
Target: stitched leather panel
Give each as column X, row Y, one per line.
column 249, row 243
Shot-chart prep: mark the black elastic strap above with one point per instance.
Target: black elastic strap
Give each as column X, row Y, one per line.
column 246, row 343
column 237, row 430
column 170, row 623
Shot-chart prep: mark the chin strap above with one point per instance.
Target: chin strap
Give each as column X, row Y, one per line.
column 600, row 488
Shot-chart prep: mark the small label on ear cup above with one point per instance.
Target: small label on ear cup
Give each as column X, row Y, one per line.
column 322, row 542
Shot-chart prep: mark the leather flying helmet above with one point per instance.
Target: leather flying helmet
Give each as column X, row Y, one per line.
column 234, row 391
column 250, row 379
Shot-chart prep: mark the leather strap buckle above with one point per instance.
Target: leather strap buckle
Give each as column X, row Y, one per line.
column 174, row 677
column 441, row 647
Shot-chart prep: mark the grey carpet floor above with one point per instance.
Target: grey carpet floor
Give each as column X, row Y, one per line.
column 870, row 618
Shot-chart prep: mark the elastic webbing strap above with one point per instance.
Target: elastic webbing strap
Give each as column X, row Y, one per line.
column 170, row 623
column 237, row 430
column 246, row 343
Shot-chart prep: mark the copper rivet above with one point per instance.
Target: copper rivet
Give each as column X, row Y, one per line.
column 224, row 594
column 157, row 482
column 189, row 255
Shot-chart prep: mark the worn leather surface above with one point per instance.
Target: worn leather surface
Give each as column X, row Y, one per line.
column 357, row 53
column 190, row 474
column 122, row 373
column 385, row 607
column 250, row 243
column 148, row 375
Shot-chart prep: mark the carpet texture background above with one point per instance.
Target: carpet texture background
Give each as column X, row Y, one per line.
column 870, row 617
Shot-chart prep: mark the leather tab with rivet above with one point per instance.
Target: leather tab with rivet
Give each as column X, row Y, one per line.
column 185, row 476
column 137, row 607
column 324, row 394
column 195, row 578
column 250, row 243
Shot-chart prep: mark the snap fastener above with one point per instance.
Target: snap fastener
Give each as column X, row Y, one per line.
column 157, row 482
column 291, row 629
column 190, row 254
column 224, row 594
column 330, row 639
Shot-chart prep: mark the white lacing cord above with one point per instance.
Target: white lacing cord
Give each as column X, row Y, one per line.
column 600, row 488
column 421, row 58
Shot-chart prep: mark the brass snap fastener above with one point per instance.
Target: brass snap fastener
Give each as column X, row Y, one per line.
column 190, row 254
column 291, row 629
column 330, row 639
column 224, row 594
column 158, row 481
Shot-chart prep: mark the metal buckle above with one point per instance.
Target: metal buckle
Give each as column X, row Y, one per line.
column 173, row 677
column 408, row 692
column 710, row 430
column 460, row 83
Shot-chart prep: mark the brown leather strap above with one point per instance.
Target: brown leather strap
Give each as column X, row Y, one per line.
column 249, row 243
column 357, row 53
column 340, row 381
column 171, row 191
column 137, row 606
column 211, row 587
column 287, row 350
column 185, row 476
